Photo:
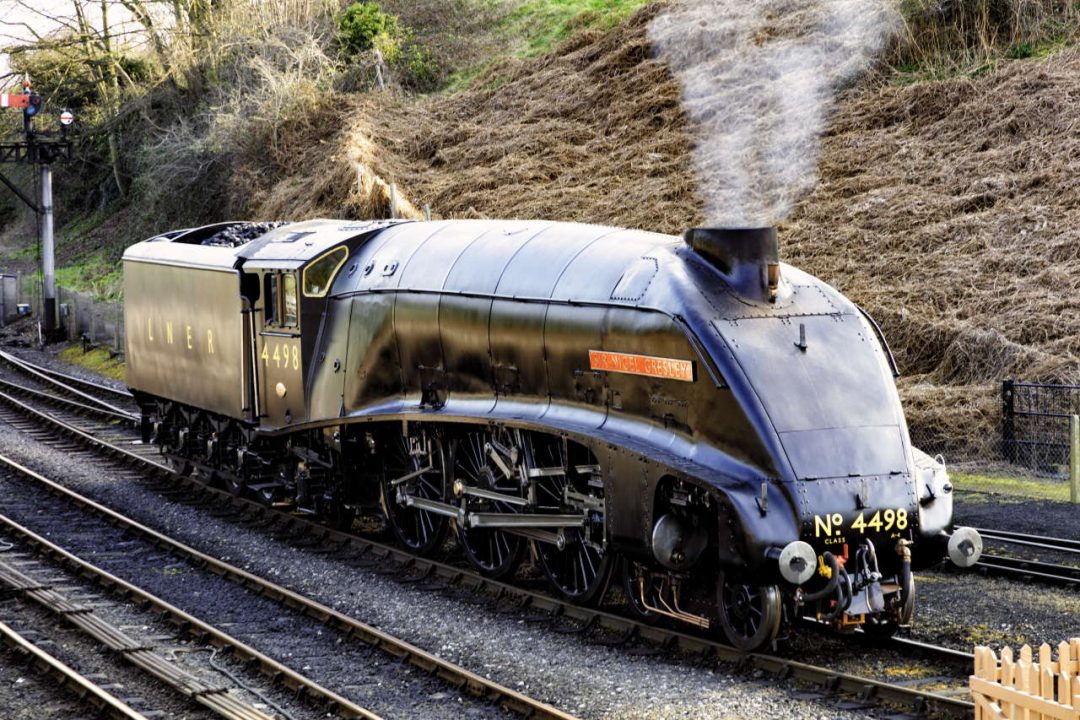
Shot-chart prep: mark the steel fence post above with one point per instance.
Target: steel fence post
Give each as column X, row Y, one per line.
column 1074, row 459
column 1008, row 430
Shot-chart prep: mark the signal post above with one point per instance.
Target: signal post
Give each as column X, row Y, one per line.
column 39, row 150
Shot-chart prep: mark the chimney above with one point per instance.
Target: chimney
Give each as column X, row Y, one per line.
column 748, row 258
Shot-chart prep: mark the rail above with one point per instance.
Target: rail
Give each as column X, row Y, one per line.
column 100, row 699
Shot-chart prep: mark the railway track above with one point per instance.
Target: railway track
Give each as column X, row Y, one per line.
column 96, row 398
column 33, row 580
column 1029, row 569
column 307, row 620
column 601, row 626
column 82, row 688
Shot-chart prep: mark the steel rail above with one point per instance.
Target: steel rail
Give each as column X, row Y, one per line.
column 589, row 619
column 66, row 402
column 470, row 682
column 1042, row 542
column 285, row 675
column 216, row 699
column 72, row 380
column 101, row 699
column 29, row 369
column 1029, row 569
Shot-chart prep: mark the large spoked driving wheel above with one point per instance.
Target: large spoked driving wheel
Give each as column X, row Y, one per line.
column 576, row 568
column 414, row 469
column 749, row 614
column 487, row 460
column 578, row 572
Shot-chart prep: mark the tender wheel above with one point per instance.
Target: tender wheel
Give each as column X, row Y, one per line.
column 749, row 614
column 422, row 458
column 234, row 484
column 493, row 552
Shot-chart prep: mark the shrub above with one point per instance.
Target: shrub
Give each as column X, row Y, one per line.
column 420, row 69
column 363, row 26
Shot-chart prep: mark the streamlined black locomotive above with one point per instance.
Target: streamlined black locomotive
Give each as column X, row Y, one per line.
column 719, row 431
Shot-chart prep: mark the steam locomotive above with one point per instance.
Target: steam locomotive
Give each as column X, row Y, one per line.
column 716, row 431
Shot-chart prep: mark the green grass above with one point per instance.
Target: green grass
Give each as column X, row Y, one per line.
column 94, row 275
column 1025, row 488
column 543, row 24
column 536, row 27
column 99, row 360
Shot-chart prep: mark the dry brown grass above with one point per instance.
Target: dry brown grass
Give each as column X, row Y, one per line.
column 949, row 209
column 592, row 133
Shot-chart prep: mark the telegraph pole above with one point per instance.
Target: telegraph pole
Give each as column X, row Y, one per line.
column 36, row 149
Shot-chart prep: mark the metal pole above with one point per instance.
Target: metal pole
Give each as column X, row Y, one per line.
column 48, row 264
column 393, row 201
column 1074, row 459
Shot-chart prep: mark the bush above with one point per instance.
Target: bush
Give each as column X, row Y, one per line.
column 364, row 25
column 420, row 69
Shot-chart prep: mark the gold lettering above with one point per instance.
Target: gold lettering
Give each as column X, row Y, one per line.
column 822, row 525
column 168, row 332
column 210, row 342
column 188, row 327
column 149, row 330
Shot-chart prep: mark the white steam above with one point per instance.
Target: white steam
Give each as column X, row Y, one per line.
column 757, row 79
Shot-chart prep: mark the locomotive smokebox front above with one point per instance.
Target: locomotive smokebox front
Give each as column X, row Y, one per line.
column 749, row 258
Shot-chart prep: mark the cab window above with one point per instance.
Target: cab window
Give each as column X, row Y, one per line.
column 281, row 299
column 271, row 294
column 319, row 274
column 288, row 300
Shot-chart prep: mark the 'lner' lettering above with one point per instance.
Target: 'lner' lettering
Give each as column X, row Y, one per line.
column 188, row 328
column 210, row 342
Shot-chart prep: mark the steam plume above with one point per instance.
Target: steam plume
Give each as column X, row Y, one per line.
column 757, row 79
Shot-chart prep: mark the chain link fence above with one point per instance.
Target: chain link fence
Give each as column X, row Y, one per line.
column 1024, row 431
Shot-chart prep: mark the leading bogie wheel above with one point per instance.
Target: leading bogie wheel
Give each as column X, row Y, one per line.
column 749, row 614
column 414, row 467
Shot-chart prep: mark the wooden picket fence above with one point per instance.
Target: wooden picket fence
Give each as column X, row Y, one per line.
column 1027, row 689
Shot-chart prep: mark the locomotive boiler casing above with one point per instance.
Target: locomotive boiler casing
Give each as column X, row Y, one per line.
column 527, row 323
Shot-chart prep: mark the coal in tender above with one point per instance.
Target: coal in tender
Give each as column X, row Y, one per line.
column 240, row 234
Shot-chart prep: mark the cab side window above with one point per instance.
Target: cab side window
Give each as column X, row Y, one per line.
column 319, row 274
column 282, row 302
column 270, row 292
column 288, row 297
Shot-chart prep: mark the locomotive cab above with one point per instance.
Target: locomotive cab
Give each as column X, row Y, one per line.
column 288, row 274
